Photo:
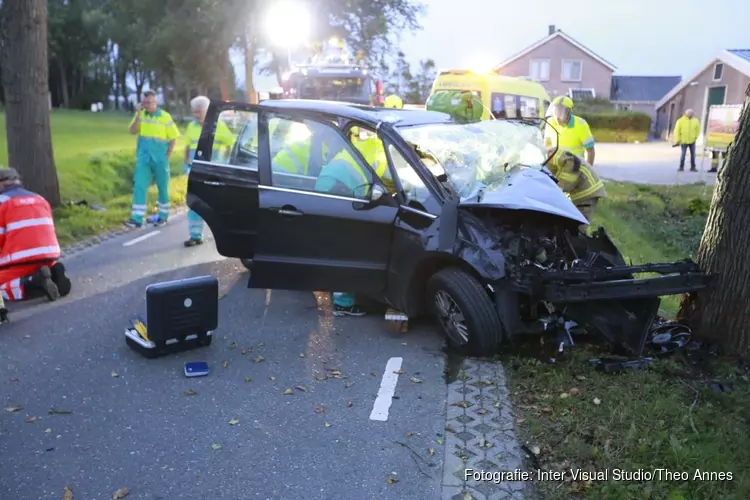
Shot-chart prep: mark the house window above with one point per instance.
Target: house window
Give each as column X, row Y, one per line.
column 581, row 94
column 572, row 70
column 539, row 70
column 621, row 106
column 718, row 71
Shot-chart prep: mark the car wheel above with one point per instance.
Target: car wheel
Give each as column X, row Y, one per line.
column 247, row 263
column 465, row 312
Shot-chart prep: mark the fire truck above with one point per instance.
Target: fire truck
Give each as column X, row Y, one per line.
column 331, row 75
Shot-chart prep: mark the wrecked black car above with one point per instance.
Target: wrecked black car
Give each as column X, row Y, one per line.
column 463, row 222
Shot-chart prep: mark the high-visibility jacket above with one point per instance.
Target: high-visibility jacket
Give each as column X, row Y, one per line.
column 156, row 131
column 576, row 178
column 223, row 140
column 27, row 230
column 686, row 130
column 575, row 136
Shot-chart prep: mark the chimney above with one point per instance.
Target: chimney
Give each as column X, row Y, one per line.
column 552, row 29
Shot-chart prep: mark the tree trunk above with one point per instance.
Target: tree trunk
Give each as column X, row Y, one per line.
column 722, row 312
column 224, row 77
column 250, row 49
column 25, row 79
column 63, row 83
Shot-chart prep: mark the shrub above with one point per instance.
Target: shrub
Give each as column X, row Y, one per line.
column 618, row 126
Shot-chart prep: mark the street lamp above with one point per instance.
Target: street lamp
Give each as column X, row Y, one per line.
column 287, row 25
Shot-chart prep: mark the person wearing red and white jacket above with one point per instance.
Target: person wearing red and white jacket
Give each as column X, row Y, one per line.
column 28, row 244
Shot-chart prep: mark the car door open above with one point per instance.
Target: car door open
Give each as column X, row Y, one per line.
column 325, row 221
column 224, row 177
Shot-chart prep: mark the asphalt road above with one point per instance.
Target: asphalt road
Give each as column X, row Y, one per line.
column 133, row 425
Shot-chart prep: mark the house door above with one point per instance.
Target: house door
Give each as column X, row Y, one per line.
column 670, row 121
column 714, row 97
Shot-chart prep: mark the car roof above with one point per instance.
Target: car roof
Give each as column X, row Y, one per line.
column 369, row 115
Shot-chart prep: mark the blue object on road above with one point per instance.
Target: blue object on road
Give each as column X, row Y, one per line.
column 153, row 219
column 196, row 369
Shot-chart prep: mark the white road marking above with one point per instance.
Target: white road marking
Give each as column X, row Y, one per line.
column 140, row 238
column 387, row 389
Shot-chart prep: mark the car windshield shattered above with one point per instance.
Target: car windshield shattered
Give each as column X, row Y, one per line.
column 478, row 157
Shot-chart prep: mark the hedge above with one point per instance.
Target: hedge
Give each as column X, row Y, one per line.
column 618, row 126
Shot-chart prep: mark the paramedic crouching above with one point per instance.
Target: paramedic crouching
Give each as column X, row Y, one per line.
column 28, row 244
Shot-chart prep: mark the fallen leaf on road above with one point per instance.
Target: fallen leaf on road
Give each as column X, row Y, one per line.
column 448, row 428
column 348, row 385
column 416, row 380
column 288, row 392
column 337, row 374
column 233, row 346
column 320, row 409
column 55, row 411
column 272, row 377
column 27, row 336
column 374, row 374
column 248, row 379
column 225, row 364
column 120, row 494
column 67, row 493
column 485, row 382
column 467, row 496
column 403, row 343
column 47, row 431
column 234, row 421
column 430, row 451
column 258, row 359
column 301, row 388
column 391, row 480
column 301, row 355
column 260, row 344
column 12, row 409
column 439, row 441
column 216, row 446
column 461, row 404
column 327, row 424
column 114, row 374
column 321, row 377
column 399, row 372
column 409, row 434
column 497, row 404
column 190, row 392
column 349, row 404
column 245, row 351
column 14, row 379
column 31, row 420
column 597, row 401
column 482, row 411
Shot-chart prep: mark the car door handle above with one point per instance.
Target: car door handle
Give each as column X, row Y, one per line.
column 287, row 210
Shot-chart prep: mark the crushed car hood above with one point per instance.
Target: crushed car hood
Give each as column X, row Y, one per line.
column 528, row 189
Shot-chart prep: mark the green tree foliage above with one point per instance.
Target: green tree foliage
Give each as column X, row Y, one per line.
column 412, row 87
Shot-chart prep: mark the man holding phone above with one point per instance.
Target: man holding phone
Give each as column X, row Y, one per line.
column 157, row 134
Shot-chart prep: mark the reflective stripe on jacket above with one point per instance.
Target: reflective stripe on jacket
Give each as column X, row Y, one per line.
column 686, row 130
column 223, row 140
column 27, row 230
column 575, row 136
column 576, row 177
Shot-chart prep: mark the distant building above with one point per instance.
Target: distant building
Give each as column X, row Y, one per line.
column 641, row 93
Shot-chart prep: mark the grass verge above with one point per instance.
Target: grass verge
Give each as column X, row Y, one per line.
column 666, row 416
column 95, row 159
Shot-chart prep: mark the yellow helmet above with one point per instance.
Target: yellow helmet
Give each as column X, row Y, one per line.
column 393, row 101
column 564, row 101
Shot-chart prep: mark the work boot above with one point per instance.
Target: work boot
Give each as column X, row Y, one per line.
column 4, row 316
column 347, row 311
column 713, row 170
column 134, row 224
column 160, row 222
column 42, row 281
column 681, row 169
column 60, row 279
column 693, row 169
column 193, row 242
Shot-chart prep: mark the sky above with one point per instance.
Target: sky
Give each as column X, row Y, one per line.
column 640, row 37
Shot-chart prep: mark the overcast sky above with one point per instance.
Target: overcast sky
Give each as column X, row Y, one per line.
column 640, row 37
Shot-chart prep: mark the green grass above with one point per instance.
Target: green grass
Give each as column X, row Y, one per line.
column 655, row 223
column 95, row 158
column 665, row 416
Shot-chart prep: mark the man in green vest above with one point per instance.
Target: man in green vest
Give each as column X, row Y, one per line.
column 157, row 134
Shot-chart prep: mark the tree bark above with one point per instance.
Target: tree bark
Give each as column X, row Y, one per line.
column 63, row 83
column 249, row 50
column 224, row 77
column 722, row 312
column 26, row 83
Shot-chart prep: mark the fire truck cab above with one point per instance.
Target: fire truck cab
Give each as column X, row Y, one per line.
column 334, row 82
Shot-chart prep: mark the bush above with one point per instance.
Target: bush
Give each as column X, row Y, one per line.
column 618, row 126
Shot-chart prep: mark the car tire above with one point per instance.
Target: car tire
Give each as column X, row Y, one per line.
column 464, row 294
column 247, row 263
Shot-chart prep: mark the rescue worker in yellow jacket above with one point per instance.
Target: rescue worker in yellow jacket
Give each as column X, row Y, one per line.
column 344, row 176
column 578, row 180
column 222, row 144
column 567, row 131
column 686, row 132
column 157, row 134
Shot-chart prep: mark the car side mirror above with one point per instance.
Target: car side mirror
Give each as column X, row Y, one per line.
column 376, row 193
